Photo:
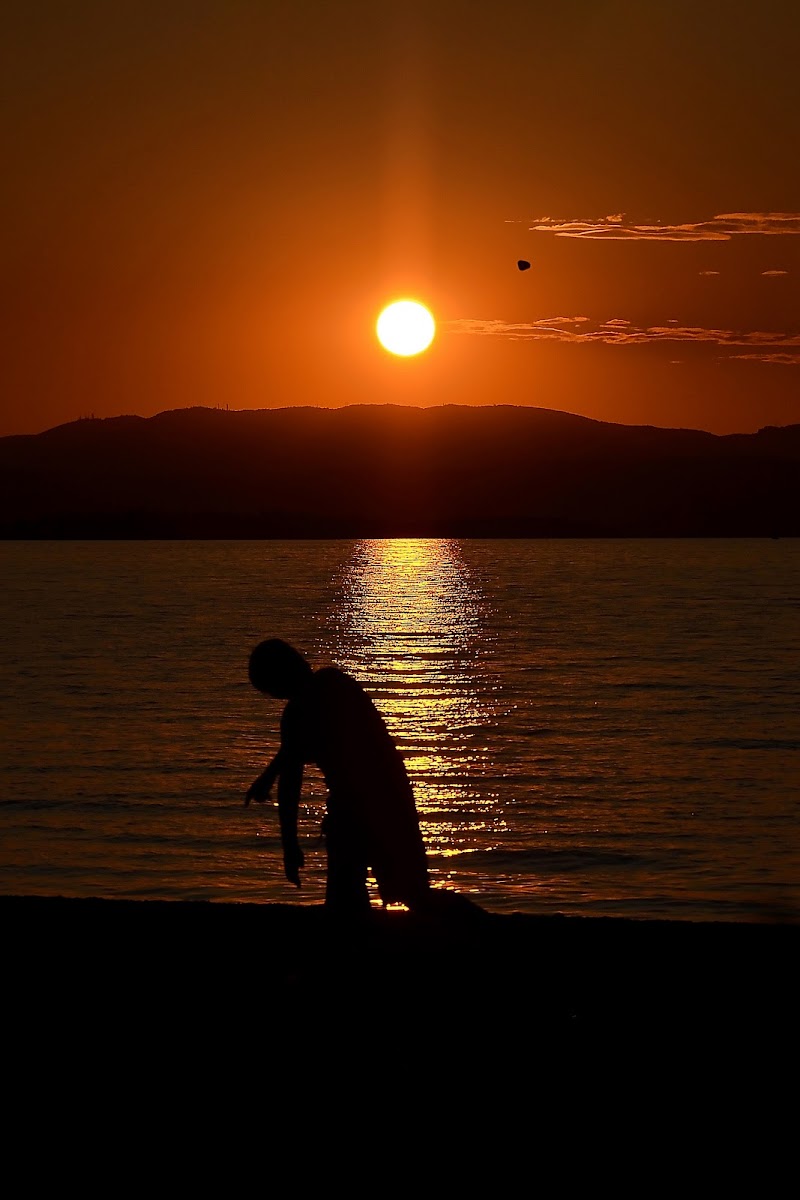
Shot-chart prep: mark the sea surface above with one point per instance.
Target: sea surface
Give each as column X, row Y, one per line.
column 600, row 727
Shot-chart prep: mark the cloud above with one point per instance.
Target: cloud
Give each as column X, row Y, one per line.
column 551, row 329
column 785, row 360
column 718, row 229
column 708, row 272
column 773, row 273
column 618, row 332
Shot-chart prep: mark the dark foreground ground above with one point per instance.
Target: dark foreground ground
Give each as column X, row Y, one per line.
column 487, row 1048
column 465, row 985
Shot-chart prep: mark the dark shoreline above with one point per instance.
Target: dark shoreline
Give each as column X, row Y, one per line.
column 564, row 981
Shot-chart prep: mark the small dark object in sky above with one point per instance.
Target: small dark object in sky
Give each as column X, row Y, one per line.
column 522, row 264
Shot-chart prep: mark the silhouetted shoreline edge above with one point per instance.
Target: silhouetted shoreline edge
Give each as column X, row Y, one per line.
column 569, row 980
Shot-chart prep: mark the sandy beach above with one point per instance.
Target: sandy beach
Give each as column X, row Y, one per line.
column 515, row 985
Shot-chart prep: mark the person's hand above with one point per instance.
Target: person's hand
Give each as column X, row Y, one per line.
column 259, row 790
column 293, row 860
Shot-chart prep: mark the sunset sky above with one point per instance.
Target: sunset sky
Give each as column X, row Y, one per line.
column 209, row 201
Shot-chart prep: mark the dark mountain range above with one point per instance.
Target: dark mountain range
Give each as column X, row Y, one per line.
column 372, row 471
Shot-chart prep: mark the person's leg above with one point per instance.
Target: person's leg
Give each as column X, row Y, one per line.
column 346, row 889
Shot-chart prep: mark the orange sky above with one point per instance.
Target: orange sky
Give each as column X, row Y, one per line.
column 208, row 203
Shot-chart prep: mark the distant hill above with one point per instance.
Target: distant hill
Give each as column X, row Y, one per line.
column 393, row 471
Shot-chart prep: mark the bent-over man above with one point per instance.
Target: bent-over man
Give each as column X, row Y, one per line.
column 372, row 821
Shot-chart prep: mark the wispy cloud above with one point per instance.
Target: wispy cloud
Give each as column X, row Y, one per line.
column 783, row 360
column 618, row 332
column 772, row 274
column 708, row 272
column 718, row 229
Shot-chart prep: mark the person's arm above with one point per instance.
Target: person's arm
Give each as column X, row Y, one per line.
column 260, row 788
column 289, row 787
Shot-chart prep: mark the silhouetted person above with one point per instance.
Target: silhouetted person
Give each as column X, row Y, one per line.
column 371, row 820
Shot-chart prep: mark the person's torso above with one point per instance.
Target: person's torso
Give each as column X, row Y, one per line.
column 335, row 725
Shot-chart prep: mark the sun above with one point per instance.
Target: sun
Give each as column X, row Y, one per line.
column 405, row 327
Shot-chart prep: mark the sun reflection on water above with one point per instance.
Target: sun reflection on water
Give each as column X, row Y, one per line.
column 410, row 623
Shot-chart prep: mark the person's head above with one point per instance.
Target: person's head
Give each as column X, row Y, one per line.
column 277, row 669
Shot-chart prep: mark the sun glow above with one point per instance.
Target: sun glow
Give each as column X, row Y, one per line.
column 405, row 328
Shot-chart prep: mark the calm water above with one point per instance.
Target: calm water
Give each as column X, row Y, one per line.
column 592, row 727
